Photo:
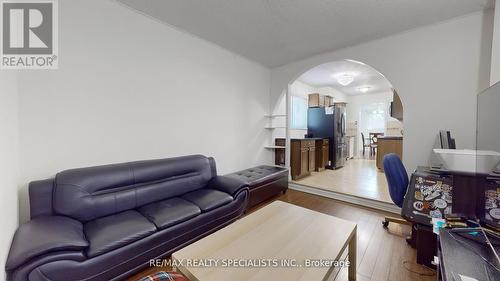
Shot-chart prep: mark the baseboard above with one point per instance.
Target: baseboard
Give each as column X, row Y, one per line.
column 365, row 202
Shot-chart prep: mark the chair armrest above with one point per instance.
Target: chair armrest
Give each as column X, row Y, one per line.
column 229, row 185
column 43, row 235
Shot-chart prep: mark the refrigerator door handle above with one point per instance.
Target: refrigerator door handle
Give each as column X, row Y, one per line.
column 342, row 128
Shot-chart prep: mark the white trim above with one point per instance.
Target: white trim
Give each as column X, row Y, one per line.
column 370, row 203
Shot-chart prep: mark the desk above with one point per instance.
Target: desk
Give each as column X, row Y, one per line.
column 438, row 194
column 429, row 196
column 459, row 255
column 468, row 196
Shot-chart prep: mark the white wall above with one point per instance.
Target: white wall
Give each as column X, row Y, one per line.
column 437, row 70
column 354, row 106
column 495, row 49
column 337, row 95
column 8, row 162
column 302, row 90
column 357, row 102
column 129, row 88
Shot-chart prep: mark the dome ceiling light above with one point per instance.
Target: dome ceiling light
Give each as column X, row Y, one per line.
column 344, row 79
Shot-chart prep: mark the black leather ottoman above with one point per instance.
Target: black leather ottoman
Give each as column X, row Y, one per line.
column 264, row 182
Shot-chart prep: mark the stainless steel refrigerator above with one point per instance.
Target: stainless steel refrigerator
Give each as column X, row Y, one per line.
column 330, row 122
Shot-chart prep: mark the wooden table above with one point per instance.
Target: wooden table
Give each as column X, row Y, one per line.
column 278, row 234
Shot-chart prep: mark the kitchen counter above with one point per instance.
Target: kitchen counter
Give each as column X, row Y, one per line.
column 300, row 139
column 391, row 137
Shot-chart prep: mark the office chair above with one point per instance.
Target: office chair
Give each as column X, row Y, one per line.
column 397, row 179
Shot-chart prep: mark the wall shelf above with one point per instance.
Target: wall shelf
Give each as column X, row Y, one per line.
column 275, row 115
column 274, row 147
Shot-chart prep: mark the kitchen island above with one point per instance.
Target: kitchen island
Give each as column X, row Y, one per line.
column 386, row 145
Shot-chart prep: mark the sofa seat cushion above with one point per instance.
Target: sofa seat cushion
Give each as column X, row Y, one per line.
column 169, row 212
column 208, row 199
column 112, row 232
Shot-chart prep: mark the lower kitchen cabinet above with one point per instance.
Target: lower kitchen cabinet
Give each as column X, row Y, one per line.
column 302, row 157
column 321, row 154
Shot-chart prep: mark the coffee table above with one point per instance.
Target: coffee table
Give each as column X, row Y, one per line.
column 281, row 241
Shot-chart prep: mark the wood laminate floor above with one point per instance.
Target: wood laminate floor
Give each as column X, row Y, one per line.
column 381, row 254
column 359, row 177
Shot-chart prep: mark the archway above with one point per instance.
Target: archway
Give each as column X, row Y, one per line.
column 372, row 108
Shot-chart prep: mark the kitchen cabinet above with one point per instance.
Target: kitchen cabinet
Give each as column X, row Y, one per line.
column 386, row 145
column 396, row 107
column 312, row 158
column 321, row 154
column 302, row 157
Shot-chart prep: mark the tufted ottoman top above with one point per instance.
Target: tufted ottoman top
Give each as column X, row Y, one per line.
column 260, row 175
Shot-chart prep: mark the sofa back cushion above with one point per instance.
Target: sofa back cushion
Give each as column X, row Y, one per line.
column 89, row 193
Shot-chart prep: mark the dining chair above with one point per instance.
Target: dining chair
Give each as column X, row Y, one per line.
column 374, row 142
column 366, row 143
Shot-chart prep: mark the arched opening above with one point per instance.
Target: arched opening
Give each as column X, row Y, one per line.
column 337, row 120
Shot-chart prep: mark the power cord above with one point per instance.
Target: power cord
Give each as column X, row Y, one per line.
column 406, row 265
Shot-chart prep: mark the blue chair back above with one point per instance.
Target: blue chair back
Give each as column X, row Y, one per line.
column 397, row 178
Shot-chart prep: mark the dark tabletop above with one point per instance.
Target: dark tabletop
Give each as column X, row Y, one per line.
column 463, row 256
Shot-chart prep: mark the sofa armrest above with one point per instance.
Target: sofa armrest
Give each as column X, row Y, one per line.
column 41, row 197
column 43, row 235
column 229, row 185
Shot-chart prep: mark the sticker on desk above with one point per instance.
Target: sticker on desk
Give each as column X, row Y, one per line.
column 446, row 188
column 492, row 204
column 491, row 194
column 495, row 213
column 434, row 194
column 435, row 214
column 418, row 195
column 426, row 190
column 427, row 205
column 447, row 197
column 440, row 203
column 431, row 197
column 418, row 205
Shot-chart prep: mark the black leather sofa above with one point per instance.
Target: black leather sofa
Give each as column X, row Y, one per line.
column 108, row 222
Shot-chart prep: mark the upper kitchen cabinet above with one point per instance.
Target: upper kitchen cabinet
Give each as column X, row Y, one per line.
column 396, row 107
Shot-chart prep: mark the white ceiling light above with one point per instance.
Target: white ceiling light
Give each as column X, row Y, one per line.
column 355, row 61
column 364, row 89
column 344, row 79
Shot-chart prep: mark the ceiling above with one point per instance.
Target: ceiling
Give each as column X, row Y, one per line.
column 364, row 76
column 277, row 32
